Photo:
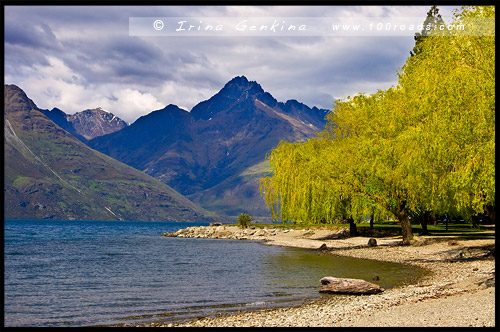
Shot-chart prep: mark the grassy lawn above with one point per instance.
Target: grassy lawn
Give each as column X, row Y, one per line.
column 462, row 230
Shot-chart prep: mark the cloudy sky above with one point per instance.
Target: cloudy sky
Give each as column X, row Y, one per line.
column 76, row 58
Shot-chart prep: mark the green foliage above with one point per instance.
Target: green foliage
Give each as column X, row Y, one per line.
column 21, row 181
column 244, row 220
column 451, row 88
column 427, row 144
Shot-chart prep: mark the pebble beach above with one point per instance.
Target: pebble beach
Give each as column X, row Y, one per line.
column 458, row 291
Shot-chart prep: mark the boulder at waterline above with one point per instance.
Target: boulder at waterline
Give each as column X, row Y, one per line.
column 348, row 286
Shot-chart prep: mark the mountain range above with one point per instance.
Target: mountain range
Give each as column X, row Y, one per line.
column 49, row 174
column 212, row 156
column 215, row 154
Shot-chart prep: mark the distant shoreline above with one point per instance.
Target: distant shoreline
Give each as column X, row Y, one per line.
column 459, row 291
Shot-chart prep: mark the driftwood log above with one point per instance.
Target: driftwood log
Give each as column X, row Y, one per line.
column 348, row 286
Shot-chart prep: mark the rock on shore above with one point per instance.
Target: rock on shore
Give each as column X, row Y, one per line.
column 348, row 286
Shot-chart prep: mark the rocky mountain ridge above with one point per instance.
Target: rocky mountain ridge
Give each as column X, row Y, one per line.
column 87, row 124
column 215, row 154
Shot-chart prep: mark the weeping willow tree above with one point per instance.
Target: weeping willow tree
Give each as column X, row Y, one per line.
column 313, row 182
column 304, row 187
column 426, row 144
column 368, row 131
column 451, row 93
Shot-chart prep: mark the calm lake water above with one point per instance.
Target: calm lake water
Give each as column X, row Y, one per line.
column 79, row 273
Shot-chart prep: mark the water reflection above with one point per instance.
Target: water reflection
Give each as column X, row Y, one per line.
column 304, row 268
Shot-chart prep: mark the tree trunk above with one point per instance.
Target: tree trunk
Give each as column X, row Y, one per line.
column 424, row 221
column 371, row 220
column 402, row 214
column 490, row 211
column 352, row 227
column 475, row 222
column 405, row 227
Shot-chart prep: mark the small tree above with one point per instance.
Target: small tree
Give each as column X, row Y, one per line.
column 432, row 21
column 244, row 220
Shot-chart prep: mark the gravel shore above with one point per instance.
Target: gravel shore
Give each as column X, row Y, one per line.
column 459, row 291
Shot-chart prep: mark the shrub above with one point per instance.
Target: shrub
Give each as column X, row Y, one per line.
column 244, row 220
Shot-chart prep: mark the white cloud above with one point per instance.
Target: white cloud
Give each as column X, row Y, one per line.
column 132, row 103
column 58, row 86
column 184, row 96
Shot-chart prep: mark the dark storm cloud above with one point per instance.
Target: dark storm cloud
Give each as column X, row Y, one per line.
column 17, row 57
column 319, row 71
column 28, row 44
column 375, row 59
column 36, row 36
column 121, row 60
column 66, row 55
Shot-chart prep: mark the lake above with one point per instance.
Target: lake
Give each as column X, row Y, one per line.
column 81, row 273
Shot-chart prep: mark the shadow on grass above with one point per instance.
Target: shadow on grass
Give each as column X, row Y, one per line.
column 468, row 254
column 474, row 236
column 461, row 231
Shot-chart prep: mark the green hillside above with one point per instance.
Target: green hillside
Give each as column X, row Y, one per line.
column 237, row 194
column 51, row 175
